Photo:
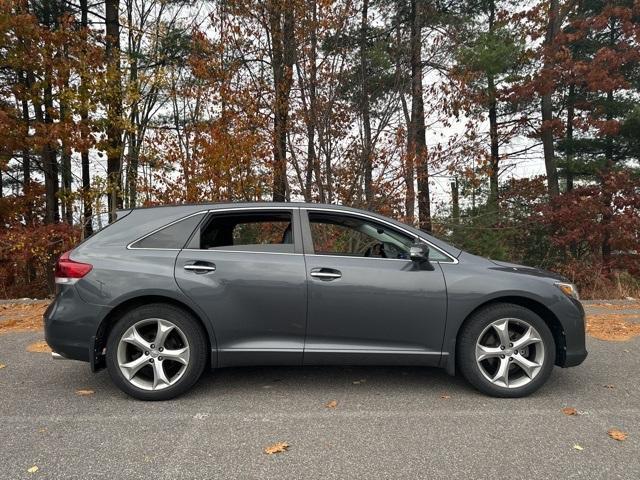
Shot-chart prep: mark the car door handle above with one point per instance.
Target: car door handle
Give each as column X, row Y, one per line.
column 326, row 273
column 200, row 267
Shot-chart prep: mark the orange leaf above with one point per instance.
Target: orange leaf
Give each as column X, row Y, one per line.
column 84, row 393
column 331, row 404
column 279, row 447
column 569, row 411
column 618, row 435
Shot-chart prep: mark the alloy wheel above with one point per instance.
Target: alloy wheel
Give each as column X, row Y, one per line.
column 153, row 354
column 510, row 352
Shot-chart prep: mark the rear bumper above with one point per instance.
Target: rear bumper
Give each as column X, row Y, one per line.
column 70, row 325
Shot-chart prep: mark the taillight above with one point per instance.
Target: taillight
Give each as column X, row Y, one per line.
column 69, row 271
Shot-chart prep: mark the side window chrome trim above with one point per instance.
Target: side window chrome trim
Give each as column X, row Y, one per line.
column 453, row 261
column 237, row 251
column 131, row 247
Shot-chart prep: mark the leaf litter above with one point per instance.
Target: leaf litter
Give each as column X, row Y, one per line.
column 279, row 447
column 21, row 317
column 39, row 347
column 618, row 435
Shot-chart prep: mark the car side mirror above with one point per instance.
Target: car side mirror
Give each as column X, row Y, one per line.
column 419, row 253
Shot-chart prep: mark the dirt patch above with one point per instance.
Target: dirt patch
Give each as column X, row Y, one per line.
column 21, row 317
column 614, row 306
column 39, row 347
column 612, row 326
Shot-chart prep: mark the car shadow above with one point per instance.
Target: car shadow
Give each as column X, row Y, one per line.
column 325, row 378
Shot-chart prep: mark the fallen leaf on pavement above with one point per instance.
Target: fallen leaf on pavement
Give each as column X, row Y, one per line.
column 618, row 435
column 578, row 447
column 85, row 392
column 39, row 347
column 2, row 365
column 276, row 448
column 445, row 397
column 609, row 386
column 33, row 469
column 569, row 411
column 331, row 404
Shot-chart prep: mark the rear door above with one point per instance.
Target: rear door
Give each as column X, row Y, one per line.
column 368, row 302
column 245, row 268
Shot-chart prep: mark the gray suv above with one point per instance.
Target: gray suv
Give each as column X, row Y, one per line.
column 165, row 292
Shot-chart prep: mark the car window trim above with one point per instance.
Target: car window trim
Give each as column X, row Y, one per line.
column 453, row 261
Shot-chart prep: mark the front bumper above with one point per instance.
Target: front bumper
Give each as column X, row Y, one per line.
column 573, row 322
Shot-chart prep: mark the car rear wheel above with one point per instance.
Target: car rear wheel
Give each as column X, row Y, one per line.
column 506, row 350
column 156, row 352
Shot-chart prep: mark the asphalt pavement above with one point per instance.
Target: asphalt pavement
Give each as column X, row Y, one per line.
column 388, row 423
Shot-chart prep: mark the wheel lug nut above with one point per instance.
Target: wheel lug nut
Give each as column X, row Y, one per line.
column 501, row 356
column 501, row 347
column 159, row 358
column 151, row 360
column 146, row 353
column 510, row 359
column 153, row 346
column 511, row 344
column 161, row 349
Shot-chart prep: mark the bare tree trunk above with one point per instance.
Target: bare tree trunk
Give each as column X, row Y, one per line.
column 43, row 112
column 455, row 202
column 84, row 154
column 281, row 22
column 114, row 107
column 418, row 141
column 26, row 157
column 495, row 147
column 409, row 161
column 67, row 201
column 556, row 17
column 367, row 160
column 313, row 163
column 608, row 212
column 571, row 98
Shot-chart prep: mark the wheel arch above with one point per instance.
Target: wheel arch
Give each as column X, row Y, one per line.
column 99, row 341
column 550, row 318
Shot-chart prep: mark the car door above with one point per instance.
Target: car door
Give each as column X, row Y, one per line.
column 368, row 303
column 245, row 269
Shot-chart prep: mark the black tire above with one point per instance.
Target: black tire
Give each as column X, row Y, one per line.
column 470, row 334
column 189, row 326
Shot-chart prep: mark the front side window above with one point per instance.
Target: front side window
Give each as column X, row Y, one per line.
column 248, row 231
column 357, row 237
column 346, row 235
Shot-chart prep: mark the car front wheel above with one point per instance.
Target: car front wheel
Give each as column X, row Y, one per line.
column 506, row 350
column 156, row 352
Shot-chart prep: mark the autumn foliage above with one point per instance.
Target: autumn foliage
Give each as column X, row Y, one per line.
column 511, row 129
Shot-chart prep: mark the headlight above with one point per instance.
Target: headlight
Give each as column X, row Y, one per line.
column 569, row 289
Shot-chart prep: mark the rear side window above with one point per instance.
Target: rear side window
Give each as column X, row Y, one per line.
column 173, row 236
column 248, row 231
